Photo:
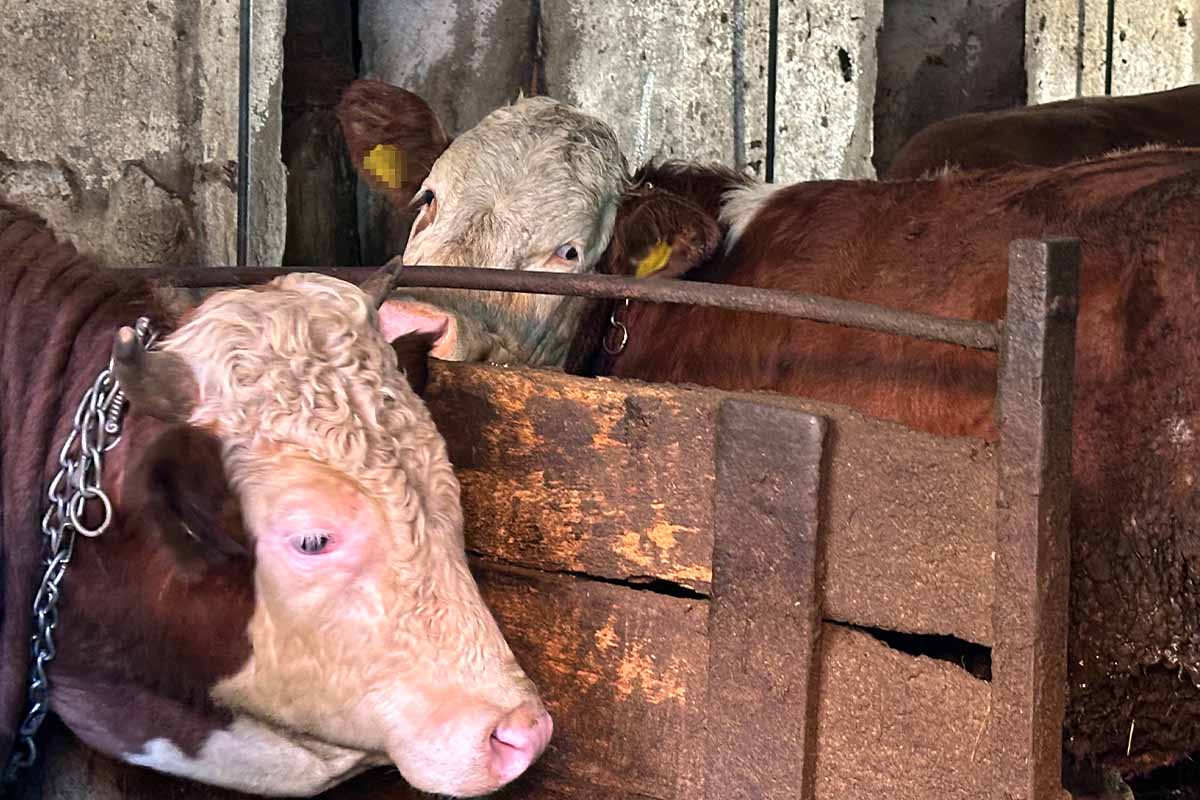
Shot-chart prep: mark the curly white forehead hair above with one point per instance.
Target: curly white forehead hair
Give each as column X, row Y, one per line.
column 300, row 367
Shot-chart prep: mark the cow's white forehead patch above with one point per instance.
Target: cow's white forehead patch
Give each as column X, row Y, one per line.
column 249, row 756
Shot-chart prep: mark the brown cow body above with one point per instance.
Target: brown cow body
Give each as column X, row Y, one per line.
column 255, row 616
column 1052, row 133
column 940, row 247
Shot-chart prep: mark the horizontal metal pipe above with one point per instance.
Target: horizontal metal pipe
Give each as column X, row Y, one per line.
column 966, row 333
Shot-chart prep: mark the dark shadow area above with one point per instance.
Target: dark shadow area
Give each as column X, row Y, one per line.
column 320, row 49
column 941, row 58
column 974, row 658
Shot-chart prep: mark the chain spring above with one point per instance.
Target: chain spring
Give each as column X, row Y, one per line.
column 78, row 482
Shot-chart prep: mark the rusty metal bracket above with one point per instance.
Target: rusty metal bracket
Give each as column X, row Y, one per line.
column 1032, row 566
column 765, row 617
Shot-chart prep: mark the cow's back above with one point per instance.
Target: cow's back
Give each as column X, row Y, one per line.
column 1051, row 134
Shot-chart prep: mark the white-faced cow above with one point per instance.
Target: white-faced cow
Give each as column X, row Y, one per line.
column 283, row 598
column 538, row 185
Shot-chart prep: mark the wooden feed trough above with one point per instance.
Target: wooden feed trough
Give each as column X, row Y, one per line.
column 705, row 585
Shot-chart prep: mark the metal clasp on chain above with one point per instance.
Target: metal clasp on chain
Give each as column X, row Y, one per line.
column 617, row 325
column 78, row 482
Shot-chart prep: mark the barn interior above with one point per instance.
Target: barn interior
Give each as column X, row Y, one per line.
column 126, row 123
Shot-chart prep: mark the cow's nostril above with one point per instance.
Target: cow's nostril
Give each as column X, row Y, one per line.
column 518, row 740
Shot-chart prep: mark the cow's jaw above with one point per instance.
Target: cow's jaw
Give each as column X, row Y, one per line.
column 252, row 756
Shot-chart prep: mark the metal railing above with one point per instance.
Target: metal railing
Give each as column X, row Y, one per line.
column 972, row 334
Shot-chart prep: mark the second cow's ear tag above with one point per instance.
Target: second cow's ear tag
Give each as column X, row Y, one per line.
column 653, row 262
column 386, row 162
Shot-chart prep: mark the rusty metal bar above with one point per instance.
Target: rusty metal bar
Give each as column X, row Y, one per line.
column 1032, row 565
column 965, row 333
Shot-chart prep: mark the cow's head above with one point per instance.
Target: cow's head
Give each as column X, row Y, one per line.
column 537, row 185
column 286, row 599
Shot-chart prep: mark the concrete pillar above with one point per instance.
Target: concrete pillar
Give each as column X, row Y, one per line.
column 464, row 58
column 1154, row 47
column 119, row 125
column 825, row 89
column 675, row 78
column 1065, row 48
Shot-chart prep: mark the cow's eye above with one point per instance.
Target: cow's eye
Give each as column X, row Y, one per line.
column 426, row 198
column 567, row 252
column 310, row 544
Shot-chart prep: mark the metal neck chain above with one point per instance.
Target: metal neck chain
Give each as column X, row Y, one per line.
column 79, row 481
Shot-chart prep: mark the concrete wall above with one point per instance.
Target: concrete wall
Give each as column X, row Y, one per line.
column 1154, row 47
column 119, row 125
column 682, row 78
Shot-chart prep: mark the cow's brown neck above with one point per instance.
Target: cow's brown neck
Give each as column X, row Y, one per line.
column 702, row 187
column 58, row 315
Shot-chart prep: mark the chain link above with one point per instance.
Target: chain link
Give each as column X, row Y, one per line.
column 96, row 430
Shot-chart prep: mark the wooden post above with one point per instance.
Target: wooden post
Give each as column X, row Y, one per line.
column 766, row 613
column 1032, row 565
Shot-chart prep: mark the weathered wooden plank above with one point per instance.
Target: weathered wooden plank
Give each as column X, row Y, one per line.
column 627, row 713
column 567, row 474
column 615, row 479
column 1033, row 552
column 622, row 671
column 895, row 726
column 765, row 613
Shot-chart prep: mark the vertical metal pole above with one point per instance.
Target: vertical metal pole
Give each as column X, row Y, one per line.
column 243, row 180
column 1032, row 566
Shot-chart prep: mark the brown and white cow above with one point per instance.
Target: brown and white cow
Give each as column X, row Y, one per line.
column 1051, row 133
column 283, row 599
column 538, row 186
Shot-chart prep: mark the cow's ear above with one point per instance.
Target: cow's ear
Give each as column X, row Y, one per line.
column 661, row 234
column 412, row 356
column 393, row 136
column 176, row 489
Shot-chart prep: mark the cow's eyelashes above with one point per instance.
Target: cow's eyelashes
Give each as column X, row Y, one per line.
column 311, row 544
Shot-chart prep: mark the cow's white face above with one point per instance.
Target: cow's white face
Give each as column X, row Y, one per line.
column 534, row 186
column 369, row 642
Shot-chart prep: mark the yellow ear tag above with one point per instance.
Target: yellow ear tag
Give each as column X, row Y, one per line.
column 386, row 162
column 654, row 261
